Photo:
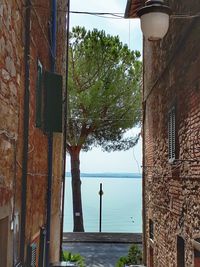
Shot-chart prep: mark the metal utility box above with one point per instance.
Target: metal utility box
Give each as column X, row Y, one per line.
column 52, row 102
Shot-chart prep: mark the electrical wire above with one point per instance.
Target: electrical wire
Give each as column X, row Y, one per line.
column 37, row 17
column 43, row 32
column 33, row 173
column 92, row 13
column 106, row 17
column 99, row 14
column 98, row 119
column 137, row 163
column 185, row 16
column 112, row 15
column 6, row 133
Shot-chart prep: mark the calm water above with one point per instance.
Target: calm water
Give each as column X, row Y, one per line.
column 121, row 208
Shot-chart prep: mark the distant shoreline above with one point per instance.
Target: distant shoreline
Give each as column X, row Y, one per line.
column 108, row 175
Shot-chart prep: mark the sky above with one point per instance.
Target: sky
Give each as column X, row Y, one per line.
column 96, row 161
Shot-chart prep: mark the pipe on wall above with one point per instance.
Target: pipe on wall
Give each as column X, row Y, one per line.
column 144, row 225
column 27, row 26
column 65, row 131
column 50, row 134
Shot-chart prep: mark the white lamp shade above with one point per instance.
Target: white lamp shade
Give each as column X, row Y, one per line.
column 154, row 25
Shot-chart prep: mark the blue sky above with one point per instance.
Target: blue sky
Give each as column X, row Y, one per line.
column 127, row 29
column 129, row 33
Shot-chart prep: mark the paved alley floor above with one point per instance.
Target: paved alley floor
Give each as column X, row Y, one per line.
column 98, row 254
column 100, row 249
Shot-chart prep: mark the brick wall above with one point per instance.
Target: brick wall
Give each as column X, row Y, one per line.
column 171, row 76
column 11, row 90
column 12, row 30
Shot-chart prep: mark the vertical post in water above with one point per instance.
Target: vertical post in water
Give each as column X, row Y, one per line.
column 100, row 207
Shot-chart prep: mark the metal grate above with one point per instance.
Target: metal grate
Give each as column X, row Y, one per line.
column 19, row 264
column 42, row 248
column 31, row 255
column 171, row 135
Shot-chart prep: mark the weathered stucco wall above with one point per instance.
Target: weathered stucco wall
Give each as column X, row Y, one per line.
column 12, row 30
column 172, row 192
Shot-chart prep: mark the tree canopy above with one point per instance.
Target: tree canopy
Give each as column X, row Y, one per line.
column 104, row 99
column 104, row 91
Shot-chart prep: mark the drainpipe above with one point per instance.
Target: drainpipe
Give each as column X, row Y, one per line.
column 27, row 26
column 50, row 135
column 65, row 133
column 144, row 176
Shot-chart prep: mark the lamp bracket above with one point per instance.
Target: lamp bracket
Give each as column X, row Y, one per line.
column 152, row 2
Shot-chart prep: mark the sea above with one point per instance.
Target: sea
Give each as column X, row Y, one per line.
column 121, row 202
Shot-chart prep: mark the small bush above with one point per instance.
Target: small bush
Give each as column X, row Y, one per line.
column 77, row 258
column 134, row 257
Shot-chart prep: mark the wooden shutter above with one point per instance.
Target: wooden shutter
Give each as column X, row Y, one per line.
column 39, row 97
column 172, row 134
column 53, row 102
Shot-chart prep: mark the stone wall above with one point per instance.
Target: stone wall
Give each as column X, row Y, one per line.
column 58, row 159
column 12, row 43
column 11, row 90
column 171, row 77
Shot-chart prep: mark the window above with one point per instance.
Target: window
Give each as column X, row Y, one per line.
column 151, row 230
column 3, row 241
column 151, row 236
column 39, row 96
column 196, row 245
column 180, row 252
column 172, row 135
column 196, row 258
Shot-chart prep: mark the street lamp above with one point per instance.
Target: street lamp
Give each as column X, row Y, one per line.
column 154, row 17
column 100, row 207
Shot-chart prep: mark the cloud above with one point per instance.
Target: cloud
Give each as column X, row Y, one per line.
column 128, row 30
column 99, row 6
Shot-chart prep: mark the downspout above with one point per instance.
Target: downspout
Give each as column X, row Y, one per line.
column 27, row 26
column 65, row 132
column 144, row 241
column 143, row 171
column 50, row 135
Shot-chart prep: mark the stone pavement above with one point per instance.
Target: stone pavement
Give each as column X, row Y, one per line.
column 100, row 249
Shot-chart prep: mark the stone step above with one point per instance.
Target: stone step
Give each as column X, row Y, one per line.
column 135, row 238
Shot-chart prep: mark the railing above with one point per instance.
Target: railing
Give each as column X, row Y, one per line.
column 63, row 264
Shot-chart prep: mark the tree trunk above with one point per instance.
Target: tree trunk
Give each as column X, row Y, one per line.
column 76, row 191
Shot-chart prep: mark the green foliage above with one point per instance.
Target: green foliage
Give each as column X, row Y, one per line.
column 77, row 258
column 104, row 99
column 104, row 91
column 134, row 257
